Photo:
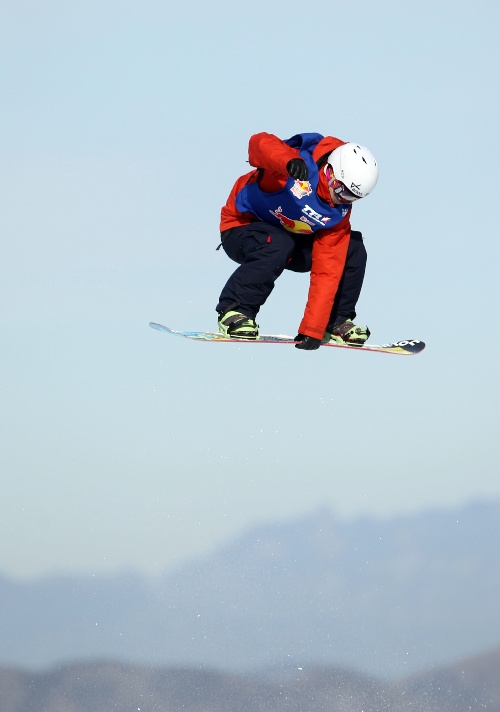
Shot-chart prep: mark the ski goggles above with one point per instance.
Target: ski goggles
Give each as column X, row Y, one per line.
column 341, row 191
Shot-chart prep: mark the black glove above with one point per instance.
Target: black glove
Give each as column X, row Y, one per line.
column 308, row 343
column 297, row 169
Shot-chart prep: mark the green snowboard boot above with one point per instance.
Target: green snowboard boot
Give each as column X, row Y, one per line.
column 347, row 333
column 238, row 325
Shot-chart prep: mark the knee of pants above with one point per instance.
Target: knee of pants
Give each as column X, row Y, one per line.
column 356, row 250
column 272, row 247
column 259, row 241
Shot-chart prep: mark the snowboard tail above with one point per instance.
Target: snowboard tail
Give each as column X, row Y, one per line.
column 405, row 347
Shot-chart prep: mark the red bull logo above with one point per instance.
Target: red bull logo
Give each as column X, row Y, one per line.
column 299, row 226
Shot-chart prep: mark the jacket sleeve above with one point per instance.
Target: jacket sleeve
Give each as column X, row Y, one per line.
column 269, row 152
column 328, row 260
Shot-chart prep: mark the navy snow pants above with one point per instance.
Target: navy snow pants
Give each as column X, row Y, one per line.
column 264, row 250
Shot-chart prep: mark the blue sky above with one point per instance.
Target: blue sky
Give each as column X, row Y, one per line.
column 123, row 127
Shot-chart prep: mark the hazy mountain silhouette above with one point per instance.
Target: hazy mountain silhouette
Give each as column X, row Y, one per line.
column 384, row 597
column 469, row 686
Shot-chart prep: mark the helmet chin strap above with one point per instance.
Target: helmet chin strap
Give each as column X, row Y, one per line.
column 330, row 176
column 330, row 179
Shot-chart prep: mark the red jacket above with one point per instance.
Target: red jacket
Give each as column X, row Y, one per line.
column 268, row 152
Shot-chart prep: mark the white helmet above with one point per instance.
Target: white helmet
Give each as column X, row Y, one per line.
column 356, row 167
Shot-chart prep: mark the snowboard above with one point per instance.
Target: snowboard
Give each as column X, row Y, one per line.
column 405, row 347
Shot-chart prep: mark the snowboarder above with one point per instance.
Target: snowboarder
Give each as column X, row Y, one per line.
column 293, row 212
